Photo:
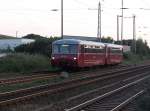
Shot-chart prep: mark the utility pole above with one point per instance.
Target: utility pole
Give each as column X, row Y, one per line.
column 117, row 27
column 122, row 25
column 134, row 35
column 62, row 19
column 99, row 22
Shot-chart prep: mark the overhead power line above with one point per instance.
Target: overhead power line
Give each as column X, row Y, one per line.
column 144, row 8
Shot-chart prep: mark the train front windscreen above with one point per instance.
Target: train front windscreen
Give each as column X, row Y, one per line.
column 65, row 49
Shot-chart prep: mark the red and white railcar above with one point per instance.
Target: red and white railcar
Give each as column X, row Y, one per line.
column 114, row 54
column 79, row 53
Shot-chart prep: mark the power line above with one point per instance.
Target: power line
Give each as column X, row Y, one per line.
column 146, row 9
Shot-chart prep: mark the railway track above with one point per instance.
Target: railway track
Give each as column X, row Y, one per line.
column 31, row 93
column 99, row 70
column 113, row 100
column 81, row 98
column 133, row 103
column 24, row 79
column 128, row 101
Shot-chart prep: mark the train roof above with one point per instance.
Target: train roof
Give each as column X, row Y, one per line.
column 113, row 45
column 77, row 41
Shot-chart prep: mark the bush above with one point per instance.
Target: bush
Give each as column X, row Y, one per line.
column 130, row 58
column 20, row 62
column 38, row 47
column 127, row 55
column 42, row 45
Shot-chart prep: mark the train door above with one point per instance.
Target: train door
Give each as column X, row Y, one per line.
column 87, row 55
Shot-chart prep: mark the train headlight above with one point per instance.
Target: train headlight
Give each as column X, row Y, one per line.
column 74, row 58
column 53, row 58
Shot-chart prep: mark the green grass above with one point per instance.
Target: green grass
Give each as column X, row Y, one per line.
column 130, row 58
column 24, row 63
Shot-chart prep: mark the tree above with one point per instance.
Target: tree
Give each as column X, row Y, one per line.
column 34, row 36
column 41, row 45
column 142, row 47
column 107, row 39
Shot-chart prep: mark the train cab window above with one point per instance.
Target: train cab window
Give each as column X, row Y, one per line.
column 73, row 49
column 55, row 49
column 65, row 49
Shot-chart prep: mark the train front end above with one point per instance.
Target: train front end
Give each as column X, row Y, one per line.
column 64, row 54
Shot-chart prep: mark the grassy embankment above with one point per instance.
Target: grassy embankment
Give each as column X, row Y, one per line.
column 24, row 63
column 130, row 58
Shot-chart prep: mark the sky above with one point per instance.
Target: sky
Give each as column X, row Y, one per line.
column 35, row 16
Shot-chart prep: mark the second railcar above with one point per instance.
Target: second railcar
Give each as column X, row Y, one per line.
column 114, row 54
